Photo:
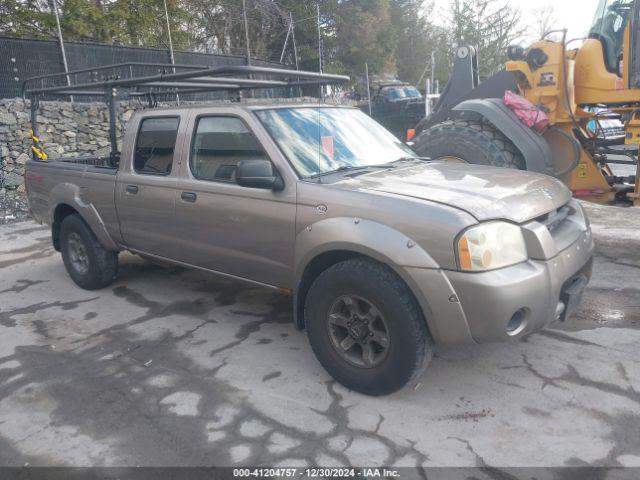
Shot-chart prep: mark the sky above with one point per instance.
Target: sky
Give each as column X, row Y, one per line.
column 575, row 15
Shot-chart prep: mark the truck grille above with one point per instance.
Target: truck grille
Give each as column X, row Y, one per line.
column 554, row 220
column 554, row 232
column 565, row 224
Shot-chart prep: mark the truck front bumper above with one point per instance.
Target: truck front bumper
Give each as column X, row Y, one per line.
column 521, row 299
column 463, row 307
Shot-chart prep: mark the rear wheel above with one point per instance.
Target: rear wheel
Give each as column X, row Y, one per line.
column 366, row 328
column 88, row 263
column 477, row 142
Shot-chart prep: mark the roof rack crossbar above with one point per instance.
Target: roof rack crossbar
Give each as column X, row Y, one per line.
column 211, row 74
column 238, row 81
column 115, row 66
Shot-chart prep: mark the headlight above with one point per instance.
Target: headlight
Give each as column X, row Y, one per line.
column 491, row 245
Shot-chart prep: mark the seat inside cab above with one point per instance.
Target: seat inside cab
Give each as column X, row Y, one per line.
column 216, row 154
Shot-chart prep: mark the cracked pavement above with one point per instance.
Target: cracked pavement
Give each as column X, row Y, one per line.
column 171, row 367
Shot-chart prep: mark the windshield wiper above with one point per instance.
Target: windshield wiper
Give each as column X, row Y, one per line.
column 346, row 168
column 349, row 168
column 407, row 159
column 394, row 163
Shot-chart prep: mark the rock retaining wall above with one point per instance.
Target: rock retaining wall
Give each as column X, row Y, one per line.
column 65, row 129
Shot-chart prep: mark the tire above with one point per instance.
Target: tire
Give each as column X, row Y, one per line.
column 474, row 142
column 409, row 349
column 88, row 264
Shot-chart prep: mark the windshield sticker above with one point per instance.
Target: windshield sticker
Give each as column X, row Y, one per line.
column 327, row 146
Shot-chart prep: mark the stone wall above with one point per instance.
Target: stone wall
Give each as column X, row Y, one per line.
column 66, row 129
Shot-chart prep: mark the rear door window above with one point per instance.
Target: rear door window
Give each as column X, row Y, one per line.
column 155, row 145
column 218, row 145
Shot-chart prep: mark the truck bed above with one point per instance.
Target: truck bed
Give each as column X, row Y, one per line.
column 90, row 179
column 92, row 161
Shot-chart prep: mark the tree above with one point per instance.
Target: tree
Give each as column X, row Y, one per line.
column 85, row 19
column 490, row 26
column 142, row 22
column 392, row 36
column 360, row 32
column 419, row 40
column 137, row 22
column 27, row 18
column 545, row 20
column 219, row 27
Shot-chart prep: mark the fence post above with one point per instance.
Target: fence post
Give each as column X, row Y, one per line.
column 246, row 31
column 293, row 39
column 61, row 42
column 111, row 94
column 366, row 70
column 173, row 59
column 427, row 97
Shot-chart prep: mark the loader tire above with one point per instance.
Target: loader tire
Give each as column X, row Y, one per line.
column 477, row 142
column 88, row 263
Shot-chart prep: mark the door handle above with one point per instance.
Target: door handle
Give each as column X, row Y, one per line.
column 189, row 197
column 133, row 189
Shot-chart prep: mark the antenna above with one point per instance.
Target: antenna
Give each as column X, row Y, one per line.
column 319, row 142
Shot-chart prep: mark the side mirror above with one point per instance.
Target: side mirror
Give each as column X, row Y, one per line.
column 258, row 174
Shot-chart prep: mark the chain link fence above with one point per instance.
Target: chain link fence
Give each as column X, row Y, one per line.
column 22, row 58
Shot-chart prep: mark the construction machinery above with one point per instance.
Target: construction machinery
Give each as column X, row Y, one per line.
column 576, row 88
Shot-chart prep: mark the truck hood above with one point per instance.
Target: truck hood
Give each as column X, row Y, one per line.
column 485, row 192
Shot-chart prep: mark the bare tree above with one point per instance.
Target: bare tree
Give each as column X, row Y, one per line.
column 490, row 26
column 545, row 20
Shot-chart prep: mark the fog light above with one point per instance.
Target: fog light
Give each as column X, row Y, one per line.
column 517, row 322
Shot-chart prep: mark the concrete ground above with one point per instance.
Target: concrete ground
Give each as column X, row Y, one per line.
column 175, row 367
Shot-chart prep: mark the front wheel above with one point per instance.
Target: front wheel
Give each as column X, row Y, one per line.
column 88, row 263
column 366, row 328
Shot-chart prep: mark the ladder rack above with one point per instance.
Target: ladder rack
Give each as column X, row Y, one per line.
column 139, row 80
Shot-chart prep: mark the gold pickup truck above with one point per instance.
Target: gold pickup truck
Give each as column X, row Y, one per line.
column 385, row 253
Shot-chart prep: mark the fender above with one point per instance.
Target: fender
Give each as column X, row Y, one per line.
column 366, row 237
column 361, row 236
column 534, row 148
column 70, row 194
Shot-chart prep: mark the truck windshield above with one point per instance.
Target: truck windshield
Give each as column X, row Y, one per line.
column 412, row 92
column 318, row 141
column 398, row 93
column 608, row 26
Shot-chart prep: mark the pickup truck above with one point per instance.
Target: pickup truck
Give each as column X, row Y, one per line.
column 395, row 105
column 385, row 254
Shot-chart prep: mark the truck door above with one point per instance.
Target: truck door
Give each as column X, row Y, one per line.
column 145, row 191
column 245, row 232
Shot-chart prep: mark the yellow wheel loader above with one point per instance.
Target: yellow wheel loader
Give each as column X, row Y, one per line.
column 576, row 88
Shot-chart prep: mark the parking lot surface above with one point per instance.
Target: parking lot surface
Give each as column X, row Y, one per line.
column 175, row 367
